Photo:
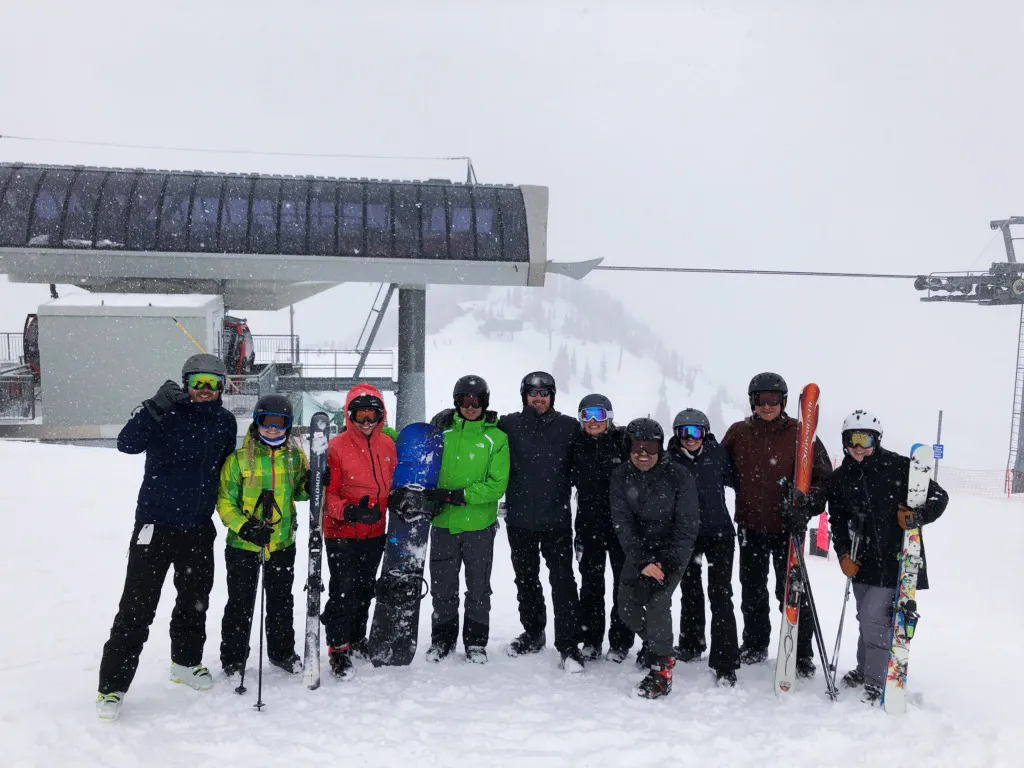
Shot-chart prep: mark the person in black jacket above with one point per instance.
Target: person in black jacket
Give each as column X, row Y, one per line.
column 598, row 448
column 186, row 435
column 867, row 497
column 694, row 447
column 538, row 518
column 656, row 514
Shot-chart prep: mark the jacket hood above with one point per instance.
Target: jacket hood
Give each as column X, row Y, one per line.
column 365, row 389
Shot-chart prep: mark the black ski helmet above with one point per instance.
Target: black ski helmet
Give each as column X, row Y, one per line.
column 767, row 382
column 472, row 385
column 276, row 404
column 538, row 380
column 595, row 401
column 691, row 417
column 362, row 402
column 203, row 363
column 646, row 429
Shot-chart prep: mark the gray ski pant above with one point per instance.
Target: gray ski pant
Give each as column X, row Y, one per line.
column 448, row 554
column 646, row 607
column 874, row 615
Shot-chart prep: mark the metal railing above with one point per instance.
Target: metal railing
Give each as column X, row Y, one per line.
column 12, row 347
column 275, row 348
column 340, row 363
column 243, row 392
column 17, row 394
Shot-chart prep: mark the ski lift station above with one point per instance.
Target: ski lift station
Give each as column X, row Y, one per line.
column 159, row 248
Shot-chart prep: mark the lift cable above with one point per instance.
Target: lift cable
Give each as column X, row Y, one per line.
column 781, row 272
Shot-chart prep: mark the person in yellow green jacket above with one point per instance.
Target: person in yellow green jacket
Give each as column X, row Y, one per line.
column 259, row 485
column 474, row 474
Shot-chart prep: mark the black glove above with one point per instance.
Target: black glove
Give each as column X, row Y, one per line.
column 409, row 503
column 456, row 497
column 169, row 395
column 256, row 532
column 795, row 507
column 309, row 480
column 361, row 512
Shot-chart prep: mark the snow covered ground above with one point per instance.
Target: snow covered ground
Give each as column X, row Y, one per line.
column 69, row 513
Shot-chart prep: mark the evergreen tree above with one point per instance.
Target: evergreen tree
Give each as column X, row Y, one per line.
column 662, row 414
column 586, row 382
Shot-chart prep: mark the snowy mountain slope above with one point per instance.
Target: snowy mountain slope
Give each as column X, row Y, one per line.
column 68, row 528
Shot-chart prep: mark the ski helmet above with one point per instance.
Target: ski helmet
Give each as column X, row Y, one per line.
column 595, row 401
column 365, row 402
column 767, row 382
column 472, row 385
column 275, row 404
column 862, row 421
column 691, row 417
column 645, row 429
column 203, row 363
column 538, row 380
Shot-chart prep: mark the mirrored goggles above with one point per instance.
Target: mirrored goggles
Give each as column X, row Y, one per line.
column 767, row 398
column 595, row 413
column 538, row 392
column 366, row 416
column 206, row 381
column 690, row 432
column 269, row 420
column 860, row 439
column 650, row 447
column 470, row 401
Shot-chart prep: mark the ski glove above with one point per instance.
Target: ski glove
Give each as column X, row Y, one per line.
column 906, row 517
column 256, row 532
column 169, row 395
column 456, row 497
column 361, row 512
column 309, row 480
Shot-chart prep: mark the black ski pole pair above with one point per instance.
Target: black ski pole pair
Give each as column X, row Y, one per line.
column 266, row 505
column 797, row 543
column 858, row 536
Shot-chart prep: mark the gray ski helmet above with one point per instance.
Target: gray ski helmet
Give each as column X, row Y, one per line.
column 538, row 380
column 203, row 363
column 691, row 417
column 472, row 385
column 276, row 404
column 767, row 382
column 645, row 429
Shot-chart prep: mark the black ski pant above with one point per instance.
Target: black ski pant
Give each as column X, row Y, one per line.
column 153, row 550
column 449, row 554
column 646, row 607
column 353, row 565
column 556, row 546
column 243, row 569
column 757, row 549
column 719, row 551
column 593, row 548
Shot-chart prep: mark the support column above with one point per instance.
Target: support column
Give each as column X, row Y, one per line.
column 412, row 343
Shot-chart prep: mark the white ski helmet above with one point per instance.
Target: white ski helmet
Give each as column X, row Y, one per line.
column 864, row 421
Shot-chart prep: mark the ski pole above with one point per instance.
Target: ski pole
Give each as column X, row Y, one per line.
column 190, row 338
column 833, row 667
column 819, row 638
column 263, row 587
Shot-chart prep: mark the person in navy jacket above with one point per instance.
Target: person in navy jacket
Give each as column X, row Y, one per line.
column 186, row 434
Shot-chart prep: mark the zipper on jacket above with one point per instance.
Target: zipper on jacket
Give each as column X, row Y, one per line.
column 373, row 468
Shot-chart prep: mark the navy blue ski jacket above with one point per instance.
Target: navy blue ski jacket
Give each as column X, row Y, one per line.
column 712, row 471
column 184, row 454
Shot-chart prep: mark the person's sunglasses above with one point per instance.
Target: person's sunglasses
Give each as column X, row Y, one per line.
column 538, row 392
column 860, row 439
column 595, row 413
column 470, row 401
column 768, row 398
column 278, row 421
column 206, row 381
column 690, row 432
column 366, row 416
column 650, row 447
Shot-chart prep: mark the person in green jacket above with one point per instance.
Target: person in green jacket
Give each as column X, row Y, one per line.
column 259, row 485
column 474, row 474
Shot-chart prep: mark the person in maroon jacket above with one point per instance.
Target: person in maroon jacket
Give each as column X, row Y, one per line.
column 762, row 449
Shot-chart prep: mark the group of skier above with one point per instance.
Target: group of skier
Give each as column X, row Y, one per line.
column 654, row 511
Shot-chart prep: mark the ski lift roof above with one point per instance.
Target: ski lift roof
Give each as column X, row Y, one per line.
column 182, row 231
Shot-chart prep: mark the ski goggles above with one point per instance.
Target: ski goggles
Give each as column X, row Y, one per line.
column 269, row 420
column 470, row 401
column 205, row 381
column 595, row 413
column 650, row 447
column 691, row 432
column 538, row 392
column 366, row 416
column 860, row 439
column 772, row 399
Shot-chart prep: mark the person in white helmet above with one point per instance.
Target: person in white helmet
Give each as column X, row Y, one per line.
column 867, row 501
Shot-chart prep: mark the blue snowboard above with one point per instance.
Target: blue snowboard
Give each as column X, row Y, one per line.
column 401, row 585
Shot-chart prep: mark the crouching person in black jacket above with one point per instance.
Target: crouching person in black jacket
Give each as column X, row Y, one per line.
column 656, row 517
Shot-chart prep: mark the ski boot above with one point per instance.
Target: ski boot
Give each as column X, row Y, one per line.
column 658, row 682
column 108, row 705
column 725, row 679
column 686, row 655
column 290, row 664
column 616, row 655
column 591, row 653
column 197, row 677
column 805, row 668
column 476, row 654
column 340, row 658
column 872, row 695
column 572, row 661
column 437, row 652
column 643, row 658
column 853, row 679
column 526, row 644
column 753, row 655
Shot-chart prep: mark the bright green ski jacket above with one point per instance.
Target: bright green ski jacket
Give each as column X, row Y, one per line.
column 246, row 473
column 475, row 459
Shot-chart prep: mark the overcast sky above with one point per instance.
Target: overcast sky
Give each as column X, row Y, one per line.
column 879, row 136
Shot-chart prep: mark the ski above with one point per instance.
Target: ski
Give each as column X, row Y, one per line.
column 319, row 431
column 904, row 615
column 796, row 577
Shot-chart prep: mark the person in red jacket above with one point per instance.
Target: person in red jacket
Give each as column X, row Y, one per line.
column 362, row 460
